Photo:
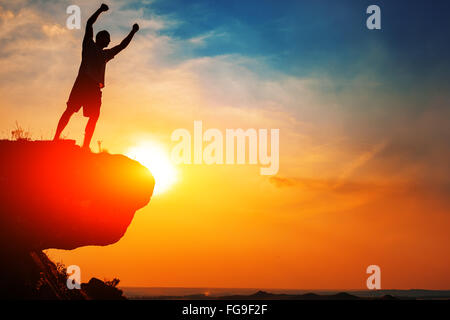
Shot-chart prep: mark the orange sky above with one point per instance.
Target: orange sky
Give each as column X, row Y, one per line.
column 343, row 199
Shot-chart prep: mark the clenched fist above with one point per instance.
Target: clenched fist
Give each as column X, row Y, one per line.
column 135, row 27
column 104, row 7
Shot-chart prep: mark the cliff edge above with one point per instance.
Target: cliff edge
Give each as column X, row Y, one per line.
column 56, row 195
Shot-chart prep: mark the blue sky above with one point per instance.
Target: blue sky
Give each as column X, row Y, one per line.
column 300, row 37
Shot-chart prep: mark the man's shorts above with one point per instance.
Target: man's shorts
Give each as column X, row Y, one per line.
column 86, row 94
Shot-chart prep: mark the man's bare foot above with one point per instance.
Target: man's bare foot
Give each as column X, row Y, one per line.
column 86, row 148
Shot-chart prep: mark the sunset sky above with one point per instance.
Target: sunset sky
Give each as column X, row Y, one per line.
column 364, row 119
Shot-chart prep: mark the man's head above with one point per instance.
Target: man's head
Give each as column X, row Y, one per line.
column 102, row 39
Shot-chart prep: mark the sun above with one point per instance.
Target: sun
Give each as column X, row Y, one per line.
column 157, row 160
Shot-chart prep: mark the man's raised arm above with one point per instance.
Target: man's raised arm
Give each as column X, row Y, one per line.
column 125, row 42
column 89, row 34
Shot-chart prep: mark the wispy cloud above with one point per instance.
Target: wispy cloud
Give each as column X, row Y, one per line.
column 200, row 40
column 360, row 161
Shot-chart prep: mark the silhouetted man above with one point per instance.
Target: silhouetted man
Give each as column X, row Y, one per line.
column 86, row 91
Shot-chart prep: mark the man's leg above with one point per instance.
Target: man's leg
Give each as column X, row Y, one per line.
column 63, row 123
column 90, row 127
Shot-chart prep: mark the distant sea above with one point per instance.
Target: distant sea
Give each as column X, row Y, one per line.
column 152, row 292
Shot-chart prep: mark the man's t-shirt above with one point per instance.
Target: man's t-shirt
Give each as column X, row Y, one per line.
column 93, row 62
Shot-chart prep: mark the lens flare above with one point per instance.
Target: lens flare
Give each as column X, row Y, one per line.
column 157, row 160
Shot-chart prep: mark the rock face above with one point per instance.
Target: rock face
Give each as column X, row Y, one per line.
column 32, row 276
column 55, row 195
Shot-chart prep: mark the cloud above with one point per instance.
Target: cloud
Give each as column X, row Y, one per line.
column 360, row 161
column 201, row 39
column 282, row 182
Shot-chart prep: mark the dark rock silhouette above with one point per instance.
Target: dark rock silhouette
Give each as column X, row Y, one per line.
column 97, row 290
column 263, row 295
column 32, row 276
column 55, row 195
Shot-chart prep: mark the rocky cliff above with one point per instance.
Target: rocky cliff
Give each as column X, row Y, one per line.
column 56, row 195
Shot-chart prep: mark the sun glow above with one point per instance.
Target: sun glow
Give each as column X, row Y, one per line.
column 157, row 160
